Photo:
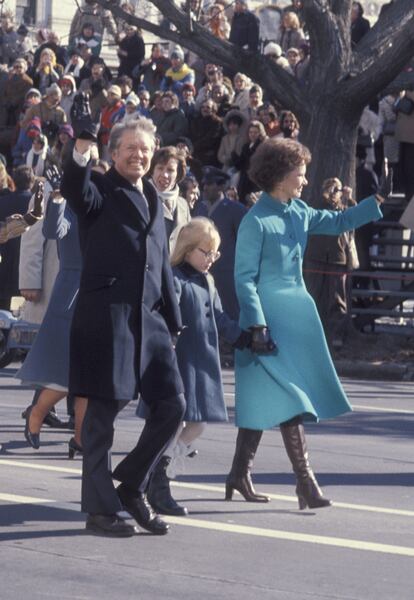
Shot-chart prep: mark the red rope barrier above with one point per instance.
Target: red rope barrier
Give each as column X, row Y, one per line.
column 372, row 275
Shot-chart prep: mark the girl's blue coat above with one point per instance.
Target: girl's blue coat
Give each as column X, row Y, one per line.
column 197, row 347
column 301, row 378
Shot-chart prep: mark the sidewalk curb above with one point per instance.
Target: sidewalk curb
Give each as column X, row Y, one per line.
column 359, row 369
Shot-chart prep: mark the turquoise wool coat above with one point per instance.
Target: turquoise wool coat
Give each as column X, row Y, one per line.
column 300, row 379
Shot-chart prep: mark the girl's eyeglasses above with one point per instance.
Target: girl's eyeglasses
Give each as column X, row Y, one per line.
column 211, row 255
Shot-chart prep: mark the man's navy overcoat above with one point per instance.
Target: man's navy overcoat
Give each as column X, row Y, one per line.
column 126, row 307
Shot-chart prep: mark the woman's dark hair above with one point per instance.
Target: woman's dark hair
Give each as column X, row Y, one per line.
column 88, row 26
column 359, row 7
column 124, row 80
column 186, row 182
column 290, row 115
column 270, row 108
column 163, row 155
column 175, row 103
column 254, row 90
column 235, row 119
column 274, row 159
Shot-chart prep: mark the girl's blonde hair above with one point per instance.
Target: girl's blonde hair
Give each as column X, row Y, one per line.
column 198, row 230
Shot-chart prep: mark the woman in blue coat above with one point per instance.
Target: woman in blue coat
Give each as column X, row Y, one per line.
column 292, row 379
column 47, row 364
column 197, row 347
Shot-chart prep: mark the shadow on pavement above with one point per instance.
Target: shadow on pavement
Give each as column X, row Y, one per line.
column 357, row 479
column 22, row 514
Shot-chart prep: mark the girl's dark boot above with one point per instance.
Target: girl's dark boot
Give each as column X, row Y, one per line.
column 159, row 493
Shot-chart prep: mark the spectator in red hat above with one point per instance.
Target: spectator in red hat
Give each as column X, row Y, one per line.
column 68, row 86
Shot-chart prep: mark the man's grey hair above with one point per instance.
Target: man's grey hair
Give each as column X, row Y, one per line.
column 137, row 126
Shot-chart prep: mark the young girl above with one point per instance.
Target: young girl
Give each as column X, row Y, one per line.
column 197, row 349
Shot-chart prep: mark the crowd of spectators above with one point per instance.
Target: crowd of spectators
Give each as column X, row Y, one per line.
column 213, row 117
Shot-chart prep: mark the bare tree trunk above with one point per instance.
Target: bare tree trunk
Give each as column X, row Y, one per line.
column 331, row 137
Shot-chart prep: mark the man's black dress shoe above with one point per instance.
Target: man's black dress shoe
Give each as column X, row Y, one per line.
column 110, row 526
column 139, row 508
column 52, row 420
column 33, row 439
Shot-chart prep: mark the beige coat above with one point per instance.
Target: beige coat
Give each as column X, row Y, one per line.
column 38, row 267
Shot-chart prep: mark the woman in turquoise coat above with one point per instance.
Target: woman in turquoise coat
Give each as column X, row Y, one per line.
column 291, row 379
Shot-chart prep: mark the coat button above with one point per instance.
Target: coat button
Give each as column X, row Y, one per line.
column 291, row 236
column 207, row 304
column 147, row 268
column 208, row 314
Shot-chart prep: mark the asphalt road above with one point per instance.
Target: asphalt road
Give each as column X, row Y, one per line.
column 361, row 548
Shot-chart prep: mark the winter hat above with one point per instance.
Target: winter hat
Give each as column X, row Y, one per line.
column 34, row 127
column 69, row 78
column 132, row 99
column 177, row 52
column 273, row 48
column 115, row 90
column 33, row 92
column 22, row 30
column 188, row 86
column 186, row 141
column 53, row 89
column 66, row 128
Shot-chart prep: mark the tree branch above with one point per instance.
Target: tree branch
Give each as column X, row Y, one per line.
column 388, row 28
column 329, row 35
column 396, row 51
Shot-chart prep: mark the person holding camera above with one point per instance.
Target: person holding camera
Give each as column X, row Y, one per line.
column 328, row 261
column 287, row 375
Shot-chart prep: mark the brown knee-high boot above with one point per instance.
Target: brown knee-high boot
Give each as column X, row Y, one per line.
column 307, row 488
column 239, row 477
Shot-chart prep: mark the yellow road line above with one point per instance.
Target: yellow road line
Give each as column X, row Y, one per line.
column 363, row 507
column 277, row 534
column 402, row 411
column 215, row 488
column 382, row 409
column 25, row 465
column 23, row 499
column 293, row 536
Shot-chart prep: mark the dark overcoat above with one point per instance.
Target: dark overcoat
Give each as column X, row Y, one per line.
column 126, row 307
column 11, row 203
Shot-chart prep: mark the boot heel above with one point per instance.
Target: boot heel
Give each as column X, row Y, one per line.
column 302, row 503
column 229, row 492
